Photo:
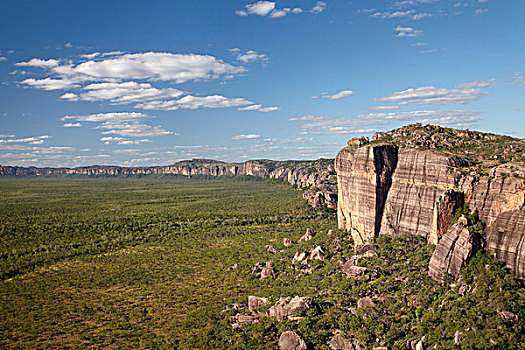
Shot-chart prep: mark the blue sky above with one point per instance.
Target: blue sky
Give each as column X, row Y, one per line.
column 153, row 82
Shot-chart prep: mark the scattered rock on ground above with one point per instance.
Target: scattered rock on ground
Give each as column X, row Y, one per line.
column 364, row 302
column 284, row 309
column 317, row 253
column 291, row 341
column 307, row 236
column 339, row 343
column 287, row 242
column 267, row 271
column 352, row 271
column 255, row 302
column 299, row 257
column 270, row 249
column 239, row 320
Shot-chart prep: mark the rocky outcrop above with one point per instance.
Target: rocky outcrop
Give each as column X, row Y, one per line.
column 364, row 176
column 287, row 307
column 412, row 180
column 453, row 251
column 291, row 341
column 506, row 240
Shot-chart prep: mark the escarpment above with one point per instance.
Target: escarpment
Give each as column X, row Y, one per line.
column 317, row 177
column 405, row 181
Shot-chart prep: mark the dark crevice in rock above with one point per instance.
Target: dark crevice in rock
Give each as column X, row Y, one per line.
column 385, row 162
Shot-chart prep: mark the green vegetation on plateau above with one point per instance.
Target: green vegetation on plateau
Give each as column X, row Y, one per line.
column 147, row 263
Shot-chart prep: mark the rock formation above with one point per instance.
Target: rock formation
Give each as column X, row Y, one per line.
column 287, row 307
column 413, row 179
column 291, row 341
column 454, row 250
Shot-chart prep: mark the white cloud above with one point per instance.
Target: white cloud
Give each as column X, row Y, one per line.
column 154, row 66
column 430, row 95
column 213, row 101
column 306, row 118
column 319, row 7
column 49, row 84
column 519, row 78
column 37, row 62
column 246, row 137
column 385, row 107
column 260, row 8
column 72, row 125
column 266, row 8
column 133, row 129
column 2, row 58
column 259, row 108
column 480, row 11
column 32, row 140
column 408, row 32
column 109, row 117
column 90, row 55
column 479, row 84
column 396, row 14
column 122, row 141
column 341, row 94
column 366, row 123
column 249, row 56
column 123, row 93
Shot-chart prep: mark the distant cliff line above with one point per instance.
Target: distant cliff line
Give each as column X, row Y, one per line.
column 317, row 176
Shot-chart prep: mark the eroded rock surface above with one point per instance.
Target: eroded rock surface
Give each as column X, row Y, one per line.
column 291, row 341
column 287, row 307
column 453, row 251
column 413, row 179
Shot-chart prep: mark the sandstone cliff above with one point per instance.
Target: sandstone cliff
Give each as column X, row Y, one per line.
column 412, row 180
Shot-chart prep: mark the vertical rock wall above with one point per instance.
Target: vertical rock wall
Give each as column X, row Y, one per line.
column 364, row 177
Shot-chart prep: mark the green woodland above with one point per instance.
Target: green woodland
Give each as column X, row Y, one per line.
column 148, row 263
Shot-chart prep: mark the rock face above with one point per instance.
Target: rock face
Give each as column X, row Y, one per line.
column 454, row 250
column 291, row 341
column 318, row 177
column 391, row 187
column 364, row 176
column 286, row 308
column 506, row 240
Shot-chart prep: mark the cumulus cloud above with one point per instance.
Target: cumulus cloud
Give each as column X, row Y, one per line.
column 408, row 32
column 340, row 94
column 249, row 56
column 49, row 84
column 259, row 108
column 397, row 14
column 319, row 7
column 519, row 78
column 246, row 137
column 122, row 141
column 430, row 95
column 108, row 117
column 266, row 8
column 72, row 125
column 32, row 140
column 122, row 93
column 133, row 129
column 37, row 62
column 155, row 66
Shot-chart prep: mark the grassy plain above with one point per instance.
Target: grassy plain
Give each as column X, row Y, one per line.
column 133, row 262
column 147, row 263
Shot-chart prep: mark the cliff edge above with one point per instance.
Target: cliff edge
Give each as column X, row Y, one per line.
column 413, row 180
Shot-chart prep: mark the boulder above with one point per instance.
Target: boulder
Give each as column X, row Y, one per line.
column 365, row 302
column 287, row 242
column 317, row 253
column 352, row 271
column 291, row 341
column 307, row 236
column 255, row 302
column 239, row 320
column 270, row 249
column 453, row 251
column 285, row 308
column 267, row 271
column 299, row 257
column 339, row 343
